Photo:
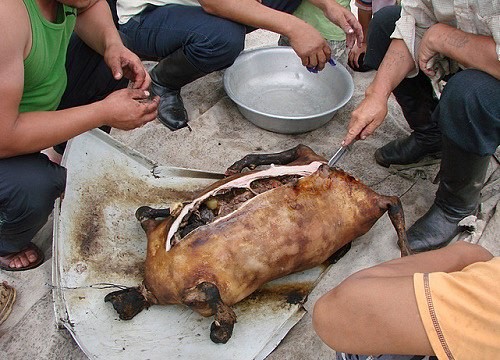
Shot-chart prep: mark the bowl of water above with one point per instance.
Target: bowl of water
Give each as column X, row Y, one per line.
column 274, row 91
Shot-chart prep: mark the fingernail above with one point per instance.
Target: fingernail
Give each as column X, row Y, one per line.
column 343, row 143
column 146, row 93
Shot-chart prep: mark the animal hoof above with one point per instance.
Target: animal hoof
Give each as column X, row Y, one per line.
column 128, row 302
column 220, row 333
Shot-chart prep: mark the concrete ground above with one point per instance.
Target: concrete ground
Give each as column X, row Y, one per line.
column 220, row 135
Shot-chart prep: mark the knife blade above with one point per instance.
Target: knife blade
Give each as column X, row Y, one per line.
column 338, row 154
column 166, row 171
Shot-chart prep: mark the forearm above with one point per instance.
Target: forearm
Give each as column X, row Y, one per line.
column 451, row 258
column 470, row 50
column 96, row 28
column 35, row 131
column 364, row 18
column 395, row 66
column 253, row 13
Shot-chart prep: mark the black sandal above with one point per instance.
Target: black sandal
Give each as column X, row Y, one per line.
column 5, row 260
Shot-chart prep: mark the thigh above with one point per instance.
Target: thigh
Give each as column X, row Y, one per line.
column 210, row 42
column 372, row 316
column 468, row 112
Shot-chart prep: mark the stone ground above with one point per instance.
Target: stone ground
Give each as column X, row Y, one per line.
column 219, row 136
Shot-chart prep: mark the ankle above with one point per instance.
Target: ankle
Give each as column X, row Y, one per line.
column 434, row 230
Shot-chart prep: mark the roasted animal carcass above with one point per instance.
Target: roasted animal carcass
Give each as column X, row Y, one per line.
column 248, row 229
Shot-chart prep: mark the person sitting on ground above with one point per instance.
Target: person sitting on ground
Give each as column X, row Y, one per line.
column 366, row 9
column 442, row 302
column 43, row 105
column 334, row 35
column 192, row 38
column 445, row 41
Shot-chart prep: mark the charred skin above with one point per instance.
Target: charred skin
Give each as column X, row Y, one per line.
column 299, row 155
column 285, row 230
column 205, row 299
column 290, row 228
column 127, row 302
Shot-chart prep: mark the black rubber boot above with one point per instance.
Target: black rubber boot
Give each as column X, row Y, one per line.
column 168, row 77
column 417, row 101
column 462, row 176
column 411, row 149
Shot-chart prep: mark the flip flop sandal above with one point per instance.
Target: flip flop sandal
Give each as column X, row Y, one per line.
column 7, row 299
column 38, row 262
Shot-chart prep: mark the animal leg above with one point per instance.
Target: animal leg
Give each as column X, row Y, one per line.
column 339, row 254
column 153, row 220
column 205, row 299
column 397, row 217
column 146, row 212
column 128, row 302
column 300, row 154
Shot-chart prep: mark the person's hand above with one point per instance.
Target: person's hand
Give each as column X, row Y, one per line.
column 346, row 20
column 127, row 109
column 429, row 50
column 124, row 62
column 354, row 55
column 310, row 46
column 366, row 118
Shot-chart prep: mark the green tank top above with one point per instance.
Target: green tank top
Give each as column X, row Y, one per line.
column 315, row 17
column 44, row 68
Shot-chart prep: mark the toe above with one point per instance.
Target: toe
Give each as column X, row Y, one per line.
column 31, row 255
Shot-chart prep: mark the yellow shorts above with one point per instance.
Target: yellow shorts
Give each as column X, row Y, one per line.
column 461, row 311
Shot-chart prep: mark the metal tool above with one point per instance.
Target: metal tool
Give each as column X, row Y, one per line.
column 338, row 154
column 183, row 172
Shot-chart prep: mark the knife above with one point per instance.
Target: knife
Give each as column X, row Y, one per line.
column 167, row 171
column 338, row 154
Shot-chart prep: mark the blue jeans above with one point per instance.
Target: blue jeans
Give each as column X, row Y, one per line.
column 29, row 184
column 210, row 43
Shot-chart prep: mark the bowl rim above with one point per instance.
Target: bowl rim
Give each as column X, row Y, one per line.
column 264, row 49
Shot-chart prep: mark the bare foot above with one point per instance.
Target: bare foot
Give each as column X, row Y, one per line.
column 53, row 155
column 25, row 259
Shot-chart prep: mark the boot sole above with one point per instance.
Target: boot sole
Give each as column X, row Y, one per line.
column 380, row 160
column 170, row 127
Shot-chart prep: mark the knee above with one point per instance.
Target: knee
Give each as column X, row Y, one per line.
column 30, row 195
column 231, row 45
column 331, row 315
column 384, row 21
column 217, row 50
column 460, row 92
column 379, row 35
column 324, row 306
column 33, row 206
column 466, row 104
